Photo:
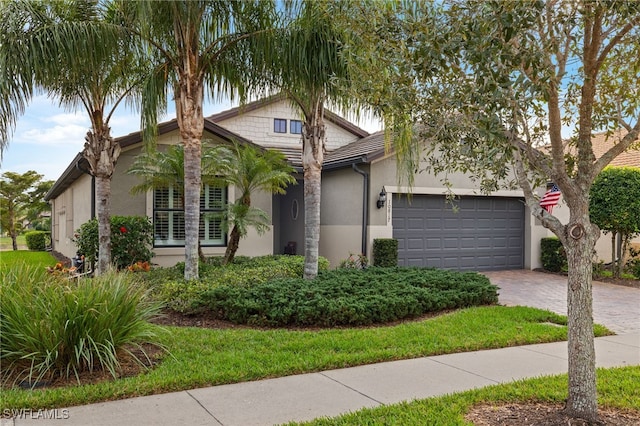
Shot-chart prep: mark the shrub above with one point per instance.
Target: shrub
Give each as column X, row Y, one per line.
column 635, row 268
column 385, row 252
column 355, row 261
column 131, row 240
column 169, row 286
column 350, row 297
column 53, row 327
column 37, row 240
column 552, row 254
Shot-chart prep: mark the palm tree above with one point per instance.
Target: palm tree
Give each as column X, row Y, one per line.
column 165, row 169
column 71, row 51
column 311, row 70
column 247, row 168
column 190, row 42
column 250, row 169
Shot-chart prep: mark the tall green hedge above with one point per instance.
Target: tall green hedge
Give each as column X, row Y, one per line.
column 385, row 252
column 37, row 240
column 552, row 254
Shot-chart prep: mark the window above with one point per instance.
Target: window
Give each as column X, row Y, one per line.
column 295, row 127
column 168, row 216
column 279, row 125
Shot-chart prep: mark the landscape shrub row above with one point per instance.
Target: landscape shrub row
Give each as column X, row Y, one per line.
column 349, row 297
column 53, row 327
column 169, row 285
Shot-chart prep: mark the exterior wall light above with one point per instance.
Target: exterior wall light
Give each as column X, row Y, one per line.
column 382, row 198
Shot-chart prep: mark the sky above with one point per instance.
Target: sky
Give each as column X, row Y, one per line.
column 47, row 137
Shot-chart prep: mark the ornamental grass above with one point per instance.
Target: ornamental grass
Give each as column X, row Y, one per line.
column 54, row 327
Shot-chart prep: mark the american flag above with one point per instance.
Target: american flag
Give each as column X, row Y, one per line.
column 551, row 198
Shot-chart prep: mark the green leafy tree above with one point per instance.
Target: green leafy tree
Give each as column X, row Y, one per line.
column 38, row 206
column 76, row 53
column 250, row 169
column 614, row 205
column 490, row 82
column 17, row 193
column 190, row 43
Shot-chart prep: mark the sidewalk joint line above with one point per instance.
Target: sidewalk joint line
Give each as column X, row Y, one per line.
column 466, row 371
column 205, row 408
column 353, row 389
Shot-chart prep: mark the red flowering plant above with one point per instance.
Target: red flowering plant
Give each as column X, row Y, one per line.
column 131, row 240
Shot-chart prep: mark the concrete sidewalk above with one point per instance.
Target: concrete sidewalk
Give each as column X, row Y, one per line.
column 330, row 393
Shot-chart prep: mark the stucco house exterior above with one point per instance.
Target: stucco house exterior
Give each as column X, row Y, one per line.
column 486, row 233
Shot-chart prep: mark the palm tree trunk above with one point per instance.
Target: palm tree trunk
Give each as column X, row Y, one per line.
column 103, row 199
column 232, row 246
column 191, row 122
column 313, row 133
column 102, row 153
column 581, row 401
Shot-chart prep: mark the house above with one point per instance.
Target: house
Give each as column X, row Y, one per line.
column 601, row 143
column 485, row 233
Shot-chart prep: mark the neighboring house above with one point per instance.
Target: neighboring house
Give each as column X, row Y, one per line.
column 486, row 232
column 601, row 142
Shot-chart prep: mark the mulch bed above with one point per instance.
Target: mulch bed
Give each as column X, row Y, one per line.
column 544, row 415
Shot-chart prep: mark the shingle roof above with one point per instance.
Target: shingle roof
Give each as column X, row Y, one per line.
column 365, row 149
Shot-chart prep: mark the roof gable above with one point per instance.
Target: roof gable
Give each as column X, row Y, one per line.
column 261, row 103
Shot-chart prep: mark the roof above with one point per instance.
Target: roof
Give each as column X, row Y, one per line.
column 602, row 142
column 364, row 150
column 353, row 152
column 252, row 106
column 79, row 165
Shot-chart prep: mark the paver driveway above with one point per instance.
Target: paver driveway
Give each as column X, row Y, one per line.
column 614, row 306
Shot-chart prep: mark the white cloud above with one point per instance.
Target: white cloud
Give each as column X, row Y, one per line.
column 68, row 118
column 69, row 134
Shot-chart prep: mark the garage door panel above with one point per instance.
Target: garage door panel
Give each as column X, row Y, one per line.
column 485, row 234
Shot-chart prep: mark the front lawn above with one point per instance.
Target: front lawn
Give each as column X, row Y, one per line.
column 617, row 390
column 205, row 357
column 12, row 258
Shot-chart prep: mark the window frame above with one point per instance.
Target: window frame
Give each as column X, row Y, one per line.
column 298, row 124
column 280, row 125
column 171, row 211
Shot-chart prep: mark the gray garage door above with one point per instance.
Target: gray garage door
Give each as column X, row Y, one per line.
column 486, row 233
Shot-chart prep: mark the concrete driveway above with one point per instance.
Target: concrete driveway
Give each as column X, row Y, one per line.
column 614, row 306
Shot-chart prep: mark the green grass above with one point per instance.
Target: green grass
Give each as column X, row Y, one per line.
column 617, row 388
column 202, row 357
column 6, row 244
column 33, row 258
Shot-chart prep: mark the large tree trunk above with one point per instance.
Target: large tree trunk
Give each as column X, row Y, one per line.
column 313, row 132
column 102, row 153
column 579, row 242
column 189, row 101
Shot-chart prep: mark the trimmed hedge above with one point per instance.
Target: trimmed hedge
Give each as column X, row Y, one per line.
column 186, row 297
column 552, row 255
column 37, row 240
column 350, row 297
column 385, row 252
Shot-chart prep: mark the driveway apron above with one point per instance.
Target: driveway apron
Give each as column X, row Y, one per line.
column 617, row 307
